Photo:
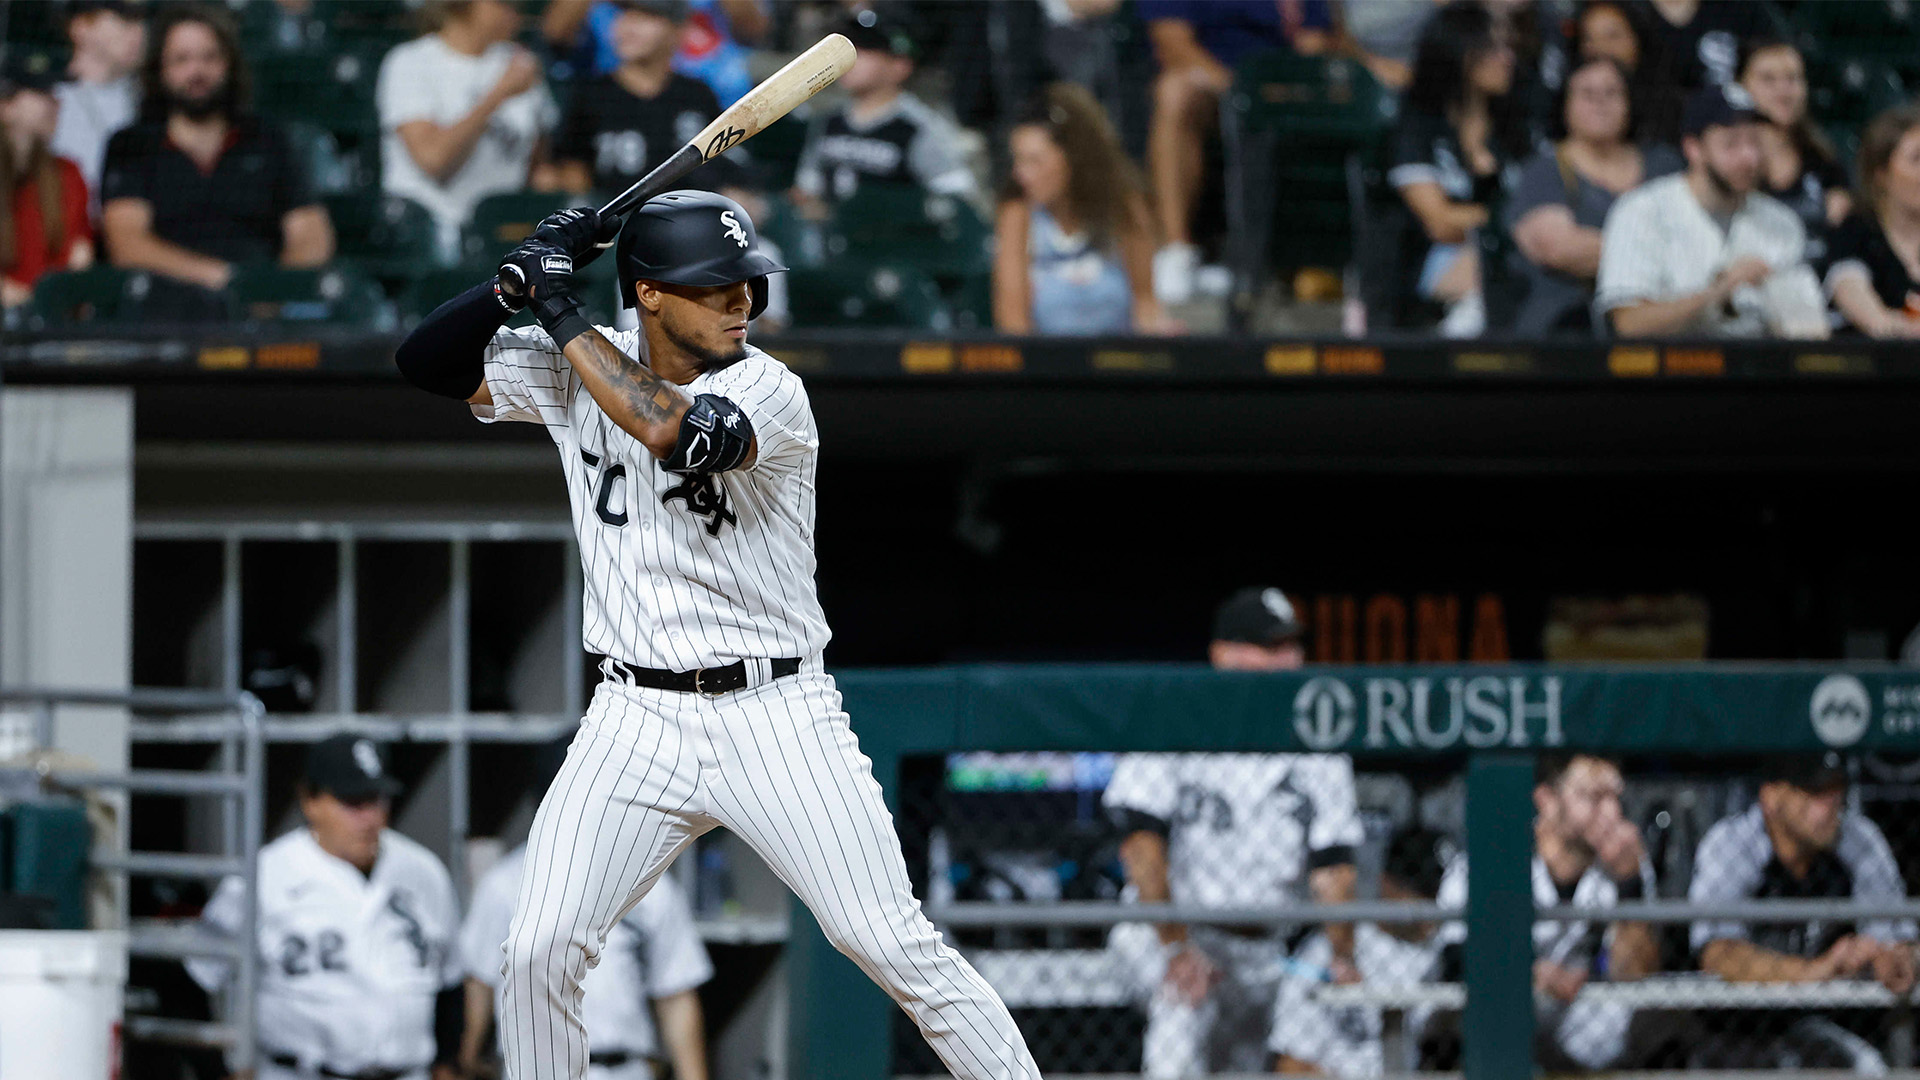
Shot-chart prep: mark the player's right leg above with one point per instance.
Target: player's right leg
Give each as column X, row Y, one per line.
column 624, row 804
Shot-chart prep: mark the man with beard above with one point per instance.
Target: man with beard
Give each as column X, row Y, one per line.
column 198, row 185
column 1704, row 253
column 1585, row 853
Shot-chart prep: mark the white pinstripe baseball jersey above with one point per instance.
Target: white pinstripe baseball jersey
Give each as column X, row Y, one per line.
column 349, row 962
column 680, row 572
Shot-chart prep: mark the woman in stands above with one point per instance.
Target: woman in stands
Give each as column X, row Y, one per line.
column 1619, row 31
column 1073, row 236
column 45, row 225
column 1456, row 137
column 1873, row 258
column 1565, row 191
column 1798, row 165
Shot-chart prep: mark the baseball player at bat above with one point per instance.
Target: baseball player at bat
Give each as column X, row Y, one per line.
column 690, row 459
column 358, row 977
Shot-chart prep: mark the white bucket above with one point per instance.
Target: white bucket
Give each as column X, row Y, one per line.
column 61, row 993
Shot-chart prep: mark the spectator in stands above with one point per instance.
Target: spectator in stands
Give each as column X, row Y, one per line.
column 720, row 35
column 1562, row 198
column 1588, row 854
column 1619, row 30
column 883, row 134
column 1073, row 247
column 642, row 999
column 1197, row 43
column 199, row 185
column 619, row 126
column 1800, row 841
column 1797, row 161
column 1704, row 251
column 1311, row 1038
column 463, row 113
column 1873, row 258
column 1456, row 137
column 1703, row 37
column 103, row 94
column 1230, row 830
column 44, row 226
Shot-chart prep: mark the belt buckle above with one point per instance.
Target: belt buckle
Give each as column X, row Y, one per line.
column 701, row 690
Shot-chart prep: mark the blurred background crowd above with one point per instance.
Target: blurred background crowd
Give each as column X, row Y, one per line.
column 1538, row 167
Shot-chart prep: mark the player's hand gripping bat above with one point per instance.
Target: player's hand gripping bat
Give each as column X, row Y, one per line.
column 806, row 75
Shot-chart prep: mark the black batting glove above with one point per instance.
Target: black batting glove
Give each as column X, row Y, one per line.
column 579, row 232
column 542, row 272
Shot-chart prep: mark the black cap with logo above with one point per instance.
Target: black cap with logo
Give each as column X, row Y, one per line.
column 886, row 30
column 28, row 69
column 1257, row 616
column 1717, row 106
column 675, row 10
column 1808, row 772
column 351, row 768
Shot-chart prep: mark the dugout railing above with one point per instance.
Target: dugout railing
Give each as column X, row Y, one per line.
column 233, row 723
column 1488, row 723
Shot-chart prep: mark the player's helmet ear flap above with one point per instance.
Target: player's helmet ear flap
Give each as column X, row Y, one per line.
column 693, row 238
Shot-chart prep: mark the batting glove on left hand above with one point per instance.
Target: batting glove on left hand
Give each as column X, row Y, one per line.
column 579, row 232
column 541, row 274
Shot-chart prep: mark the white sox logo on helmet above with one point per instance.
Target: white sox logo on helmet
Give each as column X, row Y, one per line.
column 734, row 229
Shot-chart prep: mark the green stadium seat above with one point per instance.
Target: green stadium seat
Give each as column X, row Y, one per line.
column 101, row 294
column 849, row 293
column 774, row 154
column 389, row 236
column 940, row 234
column 1324, row 112
column 320, row 157
column 1886, row 30
column 501, row 221
column 333, row 90
column 1848, row 92
column 333, row 295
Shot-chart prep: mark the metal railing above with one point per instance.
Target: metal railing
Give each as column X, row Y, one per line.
column 237, row 727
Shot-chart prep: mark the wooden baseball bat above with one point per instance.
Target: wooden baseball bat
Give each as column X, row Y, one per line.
column 804, row 76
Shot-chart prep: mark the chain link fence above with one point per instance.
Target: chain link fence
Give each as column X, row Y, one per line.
column 1649, row 953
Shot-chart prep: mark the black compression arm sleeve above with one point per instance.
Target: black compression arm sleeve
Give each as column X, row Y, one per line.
column 449, row 1021
column 446, row 354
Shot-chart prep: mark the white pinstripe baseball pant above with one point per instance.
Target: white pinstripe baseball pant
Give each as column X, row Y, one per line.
column 651, row 770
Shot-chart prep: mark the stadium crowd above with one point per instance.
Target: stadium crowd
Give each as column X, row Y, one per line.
column 1588, row 167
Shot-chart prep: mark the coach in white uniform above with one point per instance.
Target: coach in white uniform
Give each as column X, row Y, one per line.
column 690, row 461
column 1230, row 830
column 358, row 980
column 654, row 953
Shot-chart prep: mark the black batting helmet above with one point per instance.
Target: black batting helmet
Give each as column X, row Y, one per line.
column 693, row 238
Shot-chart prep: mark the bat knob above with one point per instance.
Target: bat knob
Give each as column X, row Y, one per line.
column 513, row 280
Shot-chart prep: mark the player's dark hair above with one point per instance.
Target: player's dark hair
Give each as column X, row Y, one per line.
column 238, row 93
column 1104, row 190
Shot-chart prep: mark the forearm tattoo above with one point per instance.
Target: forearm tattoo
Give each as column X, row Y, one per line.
column 648, row 397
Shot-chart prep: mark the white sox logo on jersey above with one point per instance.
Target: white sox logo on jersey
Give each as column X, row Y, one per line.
column 704, row 498
column 734, row 229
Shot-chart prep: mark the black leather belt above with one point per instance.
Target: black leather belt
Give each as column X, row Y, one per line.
column 288, row 1061
column 712, row 681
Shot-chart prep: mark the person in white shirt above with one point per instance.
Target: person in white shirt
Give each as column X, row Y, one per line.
column 1230, row 830
column 463, row 114
column 1586, row 853
column 1704, row 252
column 103, row 94
column 654, row 955
column 358, row 976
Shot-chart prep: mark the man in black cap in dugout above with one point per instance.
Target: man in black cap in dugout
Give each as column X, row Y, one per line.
column 1800, row 841
column 1230, row 830
column 358, row 974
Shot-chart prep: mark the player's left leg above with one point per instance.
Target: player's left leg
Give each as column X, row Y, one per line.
column 793, row 784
